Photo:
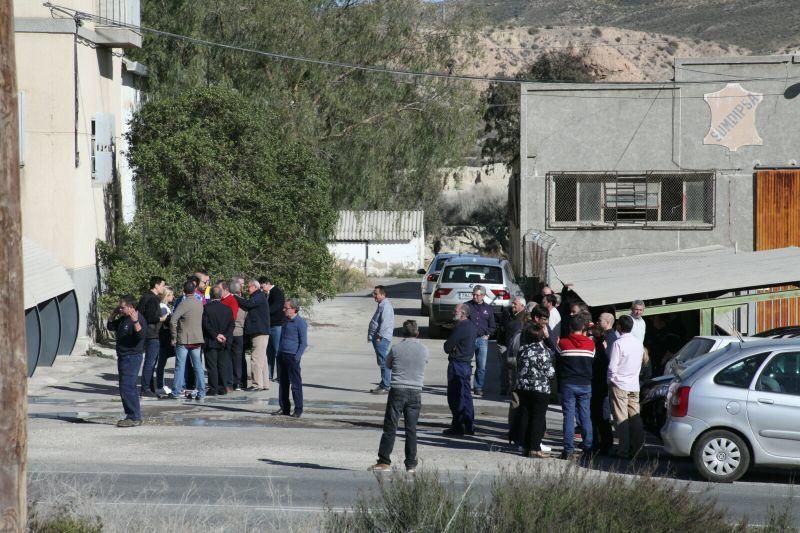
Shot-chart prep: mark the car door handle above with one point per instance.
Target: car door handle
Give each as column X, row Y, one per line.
column 766, row 401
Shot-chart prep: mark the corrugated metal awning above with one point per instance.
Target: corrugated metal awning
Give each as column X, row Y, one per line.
column 379, row 225
column 45, row 277
column 679, row 273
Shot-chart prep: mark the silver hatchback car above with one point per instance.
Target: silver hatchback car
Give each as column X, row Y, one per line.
column 431, row 276
column 737, row 407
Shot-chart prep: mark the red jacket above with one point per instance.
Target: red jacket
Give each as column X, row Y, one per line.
column 230, row 301
column 574, row 363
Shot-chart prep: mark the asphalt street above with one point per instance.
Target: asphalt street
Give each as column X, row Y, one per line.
column 229, row 460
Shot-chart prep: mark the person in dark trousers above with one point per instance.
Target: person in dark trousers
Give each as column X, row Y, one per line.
column 256, row 328
column 165, row 350
column 534, row 370
column 130, row 328
column 150, row 307
column 481, row 315
column 294, row 342
column 604, row 336
column 407, row 359
column 229, row 300
column 460, row 347
column 275, row 299
column 217, row 329
column 237, row 346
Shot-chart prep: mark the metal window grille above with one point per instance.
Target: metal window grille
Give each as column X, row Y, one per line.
column 119, row 11
column 648, row 200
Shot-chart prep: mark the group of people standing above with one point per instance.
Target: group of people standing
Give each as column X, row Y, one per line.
column 207, row 329
column 593, row 367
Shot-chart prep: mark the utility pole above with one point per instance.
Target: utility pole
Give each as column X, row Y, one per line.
column 13, row 363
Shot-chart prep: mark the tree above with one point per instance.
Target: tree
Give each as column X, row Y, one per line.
column 218, row 188
column 501, row 115
column 383, row 137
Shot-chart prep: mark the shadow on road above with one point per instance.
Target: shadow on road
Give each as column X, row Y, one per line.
column 312, row 466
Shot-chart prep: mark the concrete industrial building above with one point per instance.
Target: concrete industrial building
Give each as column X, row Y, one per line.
column 613, row 170
column 76, row 92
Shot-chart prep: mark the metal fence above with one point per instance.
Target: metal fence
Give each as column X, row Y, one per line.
column 648, row 200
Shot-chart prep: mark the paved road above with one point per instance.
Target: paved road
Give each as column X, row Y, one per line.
column 228, row 459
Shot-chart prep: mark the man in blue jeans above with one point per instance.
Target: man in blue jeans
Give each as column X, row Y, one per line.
column 150, row 307
column 130, row 328
column 482, row 316
column 275, row 300
column 574, row 371
column 381, row 329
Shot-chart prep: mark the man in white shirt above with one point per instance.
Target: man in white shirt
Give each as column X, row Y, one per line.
column 639, row 327
column 550, row 302
column 624, row 365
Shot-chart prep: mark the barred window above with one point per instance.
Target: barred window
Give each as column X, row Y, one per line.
column 610, row 199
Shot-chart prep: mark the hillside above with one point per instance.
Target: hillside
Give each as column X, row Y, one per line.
column 763, row 26
column 614, row 54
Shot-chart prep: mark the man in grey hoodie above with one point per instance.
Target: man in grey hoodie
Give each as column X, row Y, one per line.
column 407, row 362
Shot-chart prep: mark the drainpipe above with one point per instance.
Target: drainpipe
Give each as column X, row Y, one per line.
column 366, row 256
column 75, row 94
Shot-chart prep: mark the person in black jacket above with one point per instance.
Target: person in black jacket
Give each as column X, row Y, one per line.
column 150, row 307
column 460, row 347
column 275, row 299
column 217, row 329
column 256, row 328
column 130, row 328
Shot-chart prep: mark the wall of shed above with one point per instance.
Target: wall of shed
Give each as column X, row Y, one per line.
column 383, row 257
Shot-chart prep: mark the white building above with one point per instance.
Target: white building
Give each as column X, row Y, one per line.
column 380, row 242
column 76, row 94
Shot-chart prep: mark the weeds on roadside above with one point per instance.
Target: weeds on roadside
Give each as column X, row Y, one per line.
column 572, row 500
column 348, row 278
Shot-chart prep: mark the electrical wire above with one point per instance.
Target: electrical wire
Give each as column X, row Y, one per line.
column 82, row 15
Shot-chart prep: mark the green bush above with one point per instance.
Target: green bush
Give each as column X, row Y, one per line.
column 348, row 278
column 62, row 520
column 533, row 500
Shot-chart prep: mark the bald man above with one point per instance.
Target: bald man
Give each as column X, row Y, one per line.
column 604, row 337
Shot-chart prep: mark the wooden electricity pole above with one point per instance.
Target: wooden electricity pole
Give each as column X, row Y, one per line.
column 13, row 374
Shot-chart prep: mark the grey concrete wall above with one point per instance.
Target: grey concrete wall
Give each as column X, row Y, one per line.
column 661, row 127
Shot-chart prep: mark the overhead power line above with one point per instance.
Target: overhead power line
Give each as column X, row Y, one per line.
column 83, row 15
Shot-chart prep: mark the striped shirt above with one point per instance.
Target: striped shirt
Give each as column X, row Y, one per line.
column 574, row 363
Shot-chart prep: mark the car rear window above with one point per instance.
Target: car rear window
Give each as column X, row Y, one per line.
column 472, row 274
column 693, row 349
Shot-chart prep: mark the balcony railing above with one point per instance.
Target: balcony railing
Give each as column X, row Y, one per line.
column 120, row 11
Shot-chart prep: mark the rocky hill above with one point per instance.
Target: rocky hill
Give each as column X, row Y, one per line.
column 763, row 26
column 614, row 54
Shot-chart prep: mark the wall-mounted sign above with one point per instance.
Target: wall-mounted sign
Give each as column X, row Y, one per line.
column 733, row 117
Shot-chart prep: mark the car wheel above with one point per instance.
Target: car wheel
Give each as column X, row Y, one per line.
column 721, row 456
column 423, row 309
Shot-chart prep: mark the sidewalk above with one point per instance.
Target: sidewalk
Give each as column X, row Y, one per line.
column 76, row 401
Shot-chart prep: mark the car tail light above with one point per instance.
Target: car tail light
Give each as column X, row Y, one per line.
column 438, row 293
column 501, row 294
column 433, row 277
column 680, row 402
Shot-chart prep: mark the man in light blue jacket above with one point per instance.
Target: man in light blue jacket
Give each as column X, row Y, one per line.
column 380, row 331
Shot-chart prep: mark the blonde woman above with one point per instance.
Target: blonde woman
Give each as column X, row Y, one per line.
column 166, row 349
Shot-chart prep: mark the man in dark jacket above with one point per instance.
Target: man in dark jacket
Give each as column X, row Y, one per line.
column 217, row 329
column 130, row 328
column 150, row 307
column 604, row 336
column 256, row 327
column 275, row 299
column 481, row 315
column 460, row 347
